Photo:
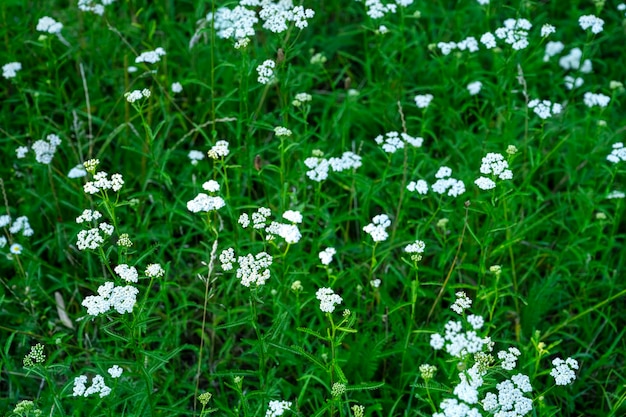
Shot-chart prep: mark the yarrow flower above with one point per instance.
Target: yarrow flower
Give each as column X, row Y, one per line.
column 590, row 21
column 592, row 100
column 45, row 148
column 462, row 303
column 154, row 271
column 617, row 154
column 97, row 387
column 326, row 256
column 151, row 57
column 49, row 25
column 571, row 82
column 93, row 6
column 446, row 184
column 301, row 98
column 509, row 358
column 563, row 371
column 392, row 141
column 237, row 23
column 552, row 49
column 195, row 156
column 266, row 72
column 121, row 299
column 177, row 87
column 515, row 33
column 10, row 70
column 495, row 165
column 423, row 100
column 77, row 172
column 319, row 167
column 219, row 150
column 474, row 87
column 254, row 269
column 419, row 186
column 547, row 30
column 282, row 131
column 377, row 228
column 204, row 202
column 277, row 408
column 127, row 273
column 101, row 182
column 115, row 371
column 545, row 109
column 137, row 95
column 572, row 61
column 328, row 299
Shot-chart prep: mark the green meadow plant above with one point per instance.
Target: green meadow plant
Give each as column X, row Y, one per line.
column 295, row 208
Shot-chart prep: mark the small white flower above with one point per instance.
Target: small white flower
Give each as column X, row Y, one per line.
column 195, row 156
column 49, row 25
column 177, row 87
column 154, row 271
column 419, row 186
column 377, row 228
column 16, row 249
column 77, row 172
column 266, row 72
column 10, row 70
column 115, row 371
column 328, row 299
column 423, row 100
column 211, row 186
column 474, row 87
column 590, row 21
column 219, row 150
column 326, row 256
column 592, row 100
column 127, row 273
column 416, row 247
column 462, row 303
column 293, row 216
column 282, row 131
column 563, row 371
column 546, row 30
column 151, row 57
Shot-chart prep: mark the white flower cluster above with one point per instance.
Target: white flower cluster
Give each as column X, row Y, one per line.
column 127, row 273
column 282, row 131
column 93, row 6
column 392, row 141
column 238, row 23
column 462, row 303
column 301, row 98
column 571, row 61
column 470, row 44
column 319, row 166
column 515, row 33
column 571, row 82
column 253, row 269
column 10, row 70
column 616, row 193
column 204, row 202
column 621, row 7
column 49, row 25
column 115, row 371
column 101, row 182
column 151, row 57
column 176, row 87
column 326, row 256
column 458, row 343
column 20, row 224
column 592, row 100
column 97, row 387
column 444, row 184
column 266, row 72
column 544, row 108
column 377, row 229
column 552, row 49
column 45, row 148
column 563, row 371
column 495, row 165
column 423, row 100
column 154, row 271
column 195, row 156
column 328, row 299
column 121, row 299
column 509, row 358
column 219, row 150
column 136, row 95
column 590, row 21
column 277, row 408
column 416, row 247
column 474, row 87
column 510, row 400
column 617, row 154
column 289, row 232
column 77, row 172
column 547, row 30
column 451, row 407
column 376, row 9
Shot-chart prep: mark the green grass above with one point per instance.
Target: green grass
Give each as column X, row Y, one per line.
column 558, row 239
